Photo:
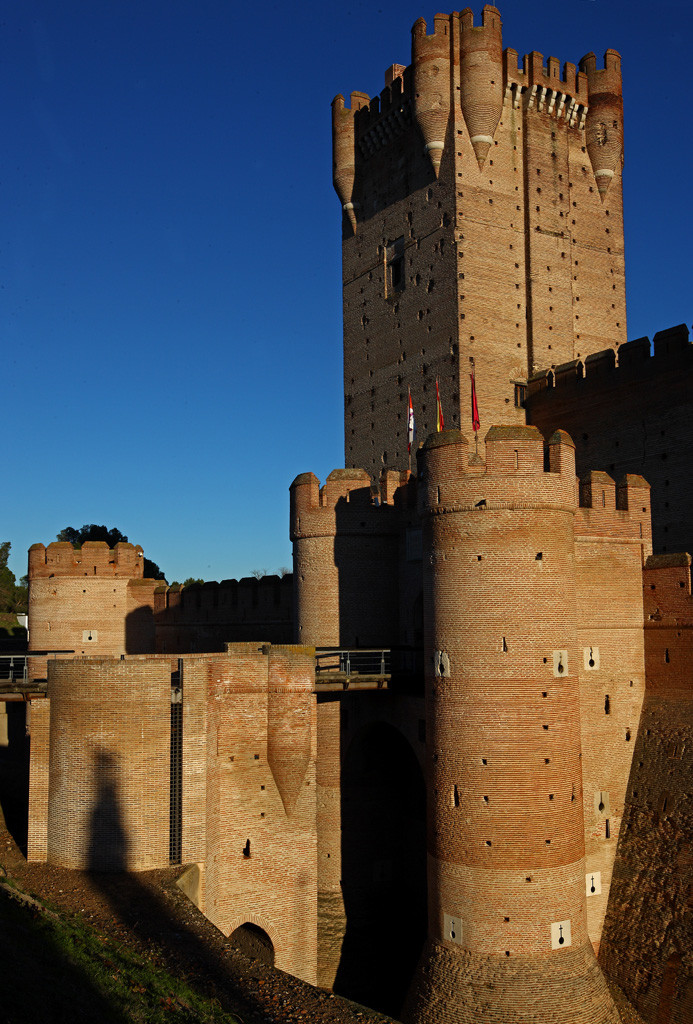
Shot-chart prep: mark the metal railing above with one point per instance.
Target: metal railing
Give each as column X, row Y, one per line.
column 352, row 662
column 13, row 668
column 14, row 671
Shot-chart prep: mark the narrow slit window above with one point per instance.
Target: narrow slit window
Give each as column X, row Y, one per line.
column 395, row 267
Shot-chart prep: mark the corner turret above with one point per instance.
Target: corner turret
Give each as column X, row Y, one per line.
column 430, row 57
column 481, row 77
column 604, row 124
column 343, row 156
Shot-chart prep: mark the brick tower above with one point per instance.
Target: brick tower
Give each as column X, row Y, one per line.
column 88, row 600
column 508, row 933
column 482, row 220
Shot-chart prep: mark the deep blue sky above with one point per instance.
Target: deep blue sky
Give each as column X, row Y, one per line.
column 170, row 249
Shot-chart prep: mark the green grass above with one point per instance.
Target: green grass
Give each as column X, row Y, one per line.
column 55, row 969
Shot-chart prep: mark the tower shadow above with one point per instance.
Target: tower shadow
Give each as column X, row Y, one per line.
column 108, row 844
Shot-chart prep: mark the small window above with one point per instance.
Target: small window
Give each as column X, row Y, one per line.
column 520, row 395
column 395, row 267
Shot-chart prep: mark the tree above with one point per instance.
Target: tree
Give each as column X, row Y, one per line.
column 13, row 595
column 90, row 531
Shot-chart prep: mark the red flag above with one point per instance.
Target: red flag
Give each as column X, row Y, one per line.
column 475, row 408
column 440, row 422
column 411, row 426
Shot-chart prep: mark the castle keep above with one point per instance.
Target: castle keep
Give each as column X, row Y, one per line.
column 482, row 221
column 463, row 792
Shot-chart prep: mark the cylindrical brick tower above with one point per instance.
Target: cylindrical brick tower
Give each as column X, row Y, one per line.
column 345, row 561
column 431, row 94
column 507, row 922
column 88, row 601
column 604, row 123
column 110, row 743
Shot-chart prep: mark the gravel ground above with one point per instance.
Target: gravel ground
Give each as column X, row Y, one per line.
column 149, row 913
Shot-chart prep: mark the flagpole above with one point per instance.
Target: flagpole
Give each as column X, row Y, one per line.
column 475, row 408
column 410, row 427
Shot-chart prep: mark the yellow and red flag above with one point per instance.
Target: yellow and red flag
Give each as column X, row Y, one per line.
column 440, row 422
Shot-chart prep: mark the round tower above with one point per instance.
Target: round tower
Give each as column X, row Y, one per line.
column 343, row 157
column 110, row 748
column 345, row 561
column 481, row 77
column 604, row 123
column 430, row 58
column 81, row 601
column 506, row 881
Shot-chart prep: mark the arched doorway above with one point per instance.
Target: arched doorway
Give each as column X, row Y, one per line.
column 254, row 942
column 383, row 867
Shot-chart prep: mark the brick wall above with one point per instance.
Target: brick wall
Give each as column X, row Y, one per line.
column 331, row 916
column 476, row 226
column 630, row 413
column 346, row 549
column 108, row 796
column 610, row 546
column 204, row 617
column 92, row 600
column 261, row 799
column 37, row 839
column 506, row 842
column 101, row 791
column 89, row 600
column 646, row 947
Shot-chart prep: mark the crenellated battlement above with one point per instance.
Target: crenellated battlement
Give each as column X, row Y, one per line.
column 541, row 88
column 522, row 472
column 348, row 497
column 460, row 63
column 667, row 590
column 510, row 449
column 671, row 350
column 617, row 511
column 546, row 75
column 94, row 558
column 220, row 599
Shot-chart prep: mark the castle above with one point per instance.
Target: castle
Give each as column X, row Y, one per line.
column 487, row 643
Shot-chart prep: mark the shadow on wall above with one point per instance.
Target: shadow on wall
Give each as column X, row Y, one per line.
column 108, row 843
column 162, row 919
column 366, row 562
column 14, row 772
column 646, row 944
column 139, row 631
column 383, row 868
